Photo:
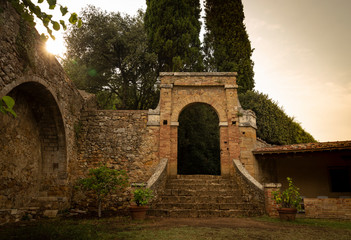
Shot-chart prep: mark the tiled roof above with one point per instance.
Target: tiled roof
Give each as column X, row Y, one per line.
column 304, row 147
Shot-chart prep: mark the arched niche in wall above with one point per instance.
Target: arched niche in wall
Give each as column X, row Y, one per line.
column 33, row 147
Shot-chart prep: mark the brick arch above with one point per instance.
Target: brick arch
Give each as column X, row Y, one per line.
column 180, row 106
column 219, row 90
column 35, row 142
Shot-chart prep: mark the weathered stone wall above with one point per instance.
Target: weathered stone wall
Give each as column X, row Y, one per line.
column 339, row 208
column 120, row 139
column 38, row 148
column 20, row 158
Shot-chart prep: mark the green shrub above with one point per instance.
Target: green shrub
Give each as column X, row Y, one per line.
column 273, row 124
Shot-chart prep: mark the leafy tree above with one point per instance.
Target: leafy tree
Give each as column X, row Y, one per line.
column 226, row 44
column 198, row 141
column 273, row 125
column 29, row 10
column 109, row 54
column 103, row 181
column 6, row 105
column 173, row 29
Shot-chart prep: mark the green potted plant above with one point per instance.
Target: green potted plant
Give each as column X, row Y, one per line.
column 142, row 197
column 289, row 201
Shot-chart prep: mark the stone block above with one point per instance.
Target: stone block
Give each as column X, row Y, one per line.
column 50, row 213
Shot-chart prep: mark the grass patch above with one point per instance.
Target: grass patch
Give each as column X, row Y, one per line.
column 124, row 229
column 330, row 223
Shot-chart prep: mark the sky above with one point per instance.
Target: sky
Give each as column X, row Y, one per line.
column 302, row 57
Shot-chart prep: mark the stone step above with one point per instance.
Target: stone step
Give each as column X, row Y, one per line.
column 202, row 196
column 201, row 185
column 200, row 182
column 204, row 206
column 199, row 177
column 199, row 193
column 185, row 213
column 197, row 199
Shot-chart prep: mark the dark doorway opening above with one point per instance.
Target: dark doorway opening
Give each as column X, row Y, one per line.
column 198, row 141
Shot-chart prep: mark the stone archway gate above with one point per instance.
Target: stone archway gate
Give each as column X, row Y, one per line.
column 218, row 90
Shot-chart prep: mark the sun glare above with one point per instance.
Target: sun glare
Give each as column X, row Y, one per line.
column 55, row 47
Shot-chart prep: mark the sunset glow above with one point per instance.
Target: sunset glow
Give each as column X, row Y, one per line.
column 56, row 47
column 302, row 59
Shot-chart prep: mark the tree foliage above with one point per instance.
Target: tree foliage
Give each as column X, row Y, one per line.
column 29, row 11
column 103, row 181
column 108, row 56
column 173, row 29
column 198, row 141
column 273, row 125
column 226, row 43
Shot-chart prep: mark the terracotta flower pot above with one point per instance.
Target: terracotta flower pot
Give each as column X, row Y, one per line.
column 138, row 212
column 287, row 214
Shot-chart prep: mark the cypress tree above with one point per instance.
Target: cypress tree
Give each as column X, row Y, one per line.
column 173, row 29
column 226, row 43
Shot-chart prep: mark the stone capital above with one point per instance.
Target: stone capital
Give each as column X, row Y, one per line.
column 231, row 86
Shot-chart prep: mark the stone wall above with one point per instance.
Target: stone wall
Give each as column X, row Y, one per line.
column 38, row 148
column 339, row 208
column 121, row 140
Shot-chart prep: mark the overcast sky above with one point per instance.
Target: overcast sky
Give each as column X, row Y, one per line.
column 302, row 57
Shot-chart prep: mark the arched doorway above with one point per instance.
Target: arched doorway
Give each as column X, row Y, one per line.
column 179, row 90
column 198, row 140
column 33, row 147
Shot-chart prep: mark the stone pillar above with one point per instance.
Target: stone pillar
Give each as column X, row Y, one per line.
column 224, row 148
column 247, row 127
column 270, row 205
column 173, row 169
column 233, row 128
column 165, row 127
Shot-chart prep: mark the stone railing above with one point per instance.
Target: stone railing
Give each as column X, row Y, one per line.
column 246, row 175
column 252, row 189
column 158, row 180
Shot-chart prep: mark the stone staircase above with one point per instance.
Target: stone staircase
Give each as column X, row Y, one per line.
column 202, row 196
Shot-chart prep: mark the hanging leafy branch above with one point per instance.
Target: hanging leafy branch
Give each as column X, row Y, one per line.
column 29, row 11
column 6, row 105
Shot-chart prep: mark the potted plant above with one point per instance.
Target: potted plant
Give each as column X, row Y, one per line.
column 142, row 196
column 289, row 201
